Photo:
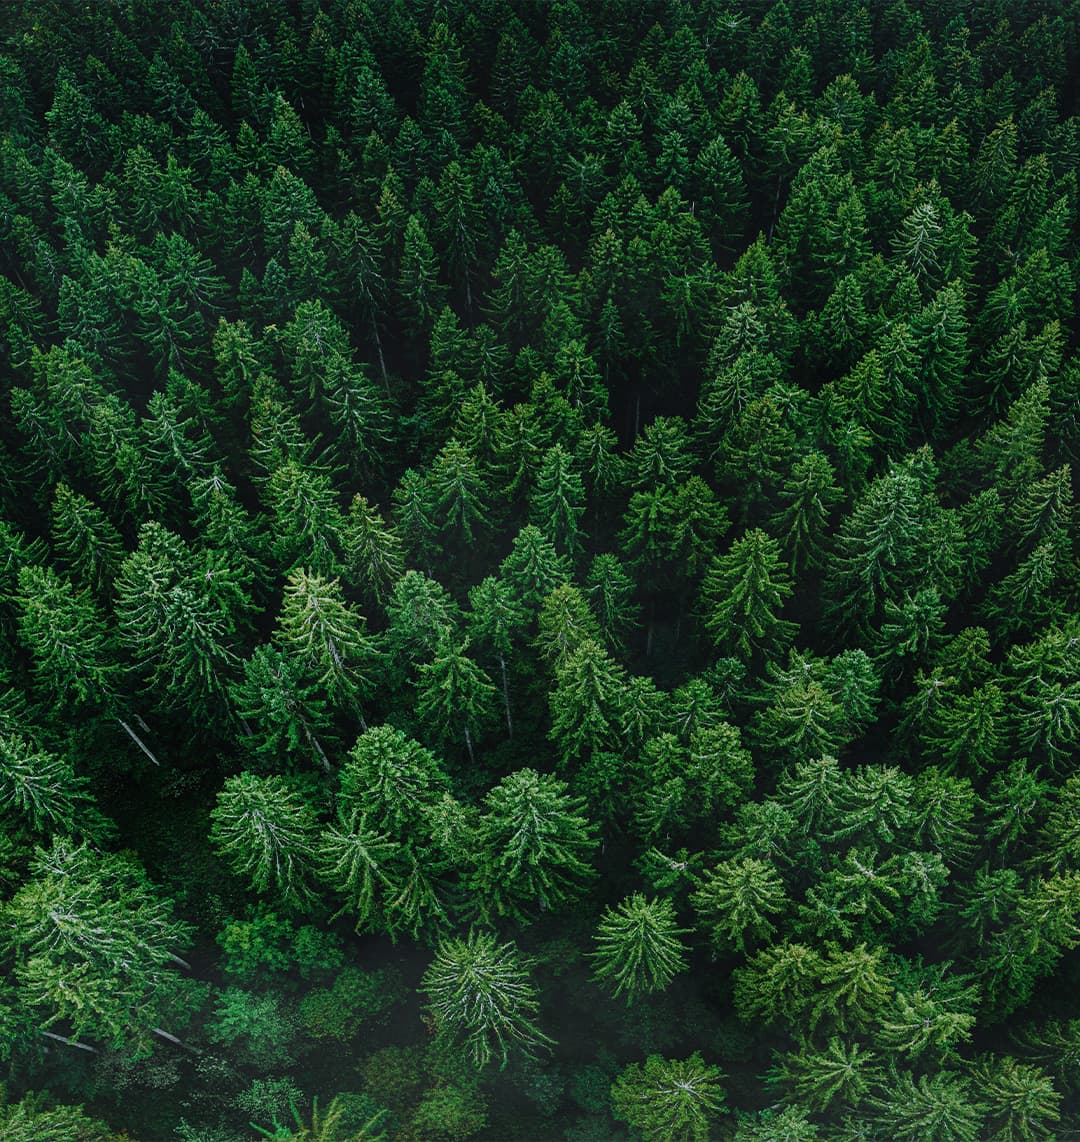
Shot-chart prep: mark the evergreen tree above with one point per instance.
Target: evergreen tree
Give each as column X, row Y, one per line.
column 742, row 592
column 96, row 947
column 480, row 995
column 534, row 844
column 669, row 1100
column 736, row 901
column 319, row 628
column 454, row 696
column 638, row 949
column 265, row 832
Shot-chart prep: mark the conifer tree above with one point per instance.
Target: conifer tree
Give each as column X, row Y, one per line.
column 266, row 833
column 638, row 949
column 534, row 844
column 742, row 593
column 480, row 995
column 669, row 1100
column 319, row 628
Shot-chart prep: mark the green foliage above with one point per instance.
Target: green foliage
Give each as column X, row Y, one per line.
column 638, row 949
column 258, row 1026
column 480, row 994
column 265, row 832
column 669, row 1100
column 533, row 844
column 337, row 1011
column 382, row 383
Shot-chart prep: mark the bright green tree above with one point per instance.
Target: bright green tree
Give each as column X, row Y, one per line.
column 480, row 995
column 638, row 946
column 95, row 947
column 738, row 902
column 742, row 595
column 266, row 833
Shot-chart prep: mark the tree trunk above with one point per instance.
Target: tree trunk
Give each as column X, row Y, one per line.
column 468, row 744
column 138, row 740
column 313, row 741
column 69, row 1042
column 173, row 1039
column 506, row 695
column 378, row 349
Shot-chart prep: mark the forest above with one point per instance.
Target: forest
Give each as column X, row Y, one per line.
column 539, row 583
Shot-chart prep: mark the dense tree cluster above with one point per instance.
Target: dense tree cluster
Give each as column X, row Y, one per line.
column 539, row 581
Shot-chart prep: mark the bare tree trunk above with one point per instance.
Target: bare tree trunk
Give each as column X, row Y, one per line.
column 506, row 695
column 468, row 743
column 378, row 349
column 313, row 741
column 69, row 1042
column 138, row 740
column 174, row 1039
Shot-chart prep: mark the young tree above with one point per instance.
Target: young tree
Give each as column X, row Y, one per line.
column 480, row 995
column 742, row 594
column 669, row 1100
column 265, row 832
column 638, row 949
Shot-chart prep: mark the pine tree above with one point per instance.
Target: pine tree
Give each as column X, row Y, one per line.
column 497, row 620
column 638, row 949
column 372, row 550
column 95, row 947
column 90, row 548
column 320, row 630
column 287, row 709
column 736, row 901
column 741, row 595
column 937, row 1107
column 454, row 696
column 609, row 591
column 588, row 702
column 807, row 496
column 41, row 788
column 480, row 995
column 836, row 1077
column 1021, row 1099
column 669, row 1100
column 558, row 500
column 533, row 567
column 266, row 833
column 67, row 638
column 533, row 846
column 418, row 287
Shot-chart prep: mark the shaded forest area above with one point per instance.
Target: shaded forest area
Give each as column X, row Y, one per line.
column 538, row 571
